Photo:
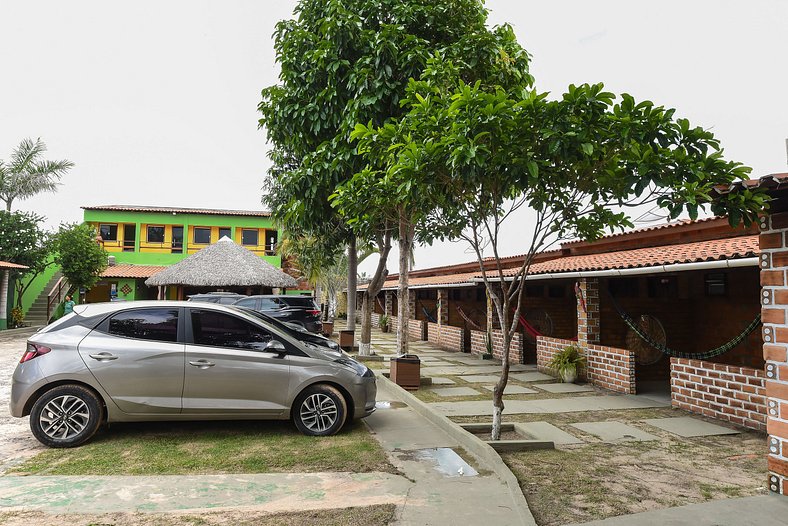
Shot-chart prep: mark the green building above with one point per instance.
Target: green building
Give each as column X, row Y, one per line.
column 142, row 240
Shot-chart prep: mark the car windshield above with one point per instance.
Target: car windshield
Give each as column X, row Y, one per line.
column 279, row 324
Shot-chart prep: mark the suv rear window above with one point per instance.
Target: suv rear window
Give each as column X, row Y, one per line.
column 301, row 302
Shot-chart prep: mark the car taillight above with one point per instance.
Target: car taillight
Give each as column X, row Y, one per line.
column 313, row 312
column 33, row 351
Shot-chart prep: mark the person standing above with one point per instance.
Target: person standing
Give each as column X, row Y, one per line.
column 68, row 305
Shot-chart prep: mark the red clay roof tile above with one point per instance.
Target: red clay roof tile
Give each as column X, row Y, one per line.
column 131, row 271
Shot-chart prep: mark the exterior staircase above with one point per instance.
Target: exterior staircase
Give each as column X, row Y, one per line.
column 37, row 314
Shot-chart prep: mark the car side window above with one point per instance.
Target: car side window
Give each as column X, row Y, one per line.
column 146, row 324
column 218, row 329
column 269, row 304
column 248, row 303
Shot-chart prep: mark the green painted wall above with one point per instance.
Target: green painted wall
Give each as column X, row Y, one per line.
column 36, row 287
column 140, row 218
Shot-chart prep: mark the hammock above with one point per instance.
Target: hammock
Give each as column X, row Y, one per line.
column 468, row 320
column 722, row 349
column 429, row 315
column 530, row 329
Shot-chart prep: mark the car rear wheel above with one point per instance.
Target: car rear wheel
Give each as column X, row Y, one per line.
column 320, row 410
column 65, row 416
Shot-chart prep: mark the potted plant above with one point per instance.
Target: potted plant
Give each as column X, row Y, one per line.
column 567, row 363
column 385, row 323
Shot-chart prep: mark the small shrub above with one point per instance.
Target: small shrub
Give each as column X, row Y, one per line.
column 567, row 362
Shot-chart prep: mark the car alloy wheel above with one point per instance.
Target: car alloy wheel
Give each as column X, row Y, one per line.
column 321, row 410
column 66, row 416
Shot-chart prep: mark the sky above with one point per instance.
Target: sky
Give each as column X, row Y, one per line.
column 156, row 102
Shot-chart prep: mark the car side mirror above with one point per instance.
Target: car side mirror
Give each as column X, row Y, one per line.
column 277, row 347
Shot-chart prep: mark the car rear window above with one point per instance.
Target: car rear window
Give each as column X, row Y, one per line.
column 146, row 324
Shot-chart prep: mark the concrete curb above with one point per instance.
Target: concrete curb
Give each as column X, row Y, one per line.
column 20, row 330
column 474, row 445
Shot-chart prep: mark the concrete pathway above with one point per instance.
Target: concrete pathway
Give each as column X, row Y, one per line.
column 273, row 492
column 549, row 405
column 767, row 510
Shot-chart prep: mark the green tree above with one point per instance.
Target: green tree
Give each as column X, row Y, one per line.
column 344, row 62
column 26, row 174
column 487, row 56
column 80, row 257
column 24, row 242
column 477, row 153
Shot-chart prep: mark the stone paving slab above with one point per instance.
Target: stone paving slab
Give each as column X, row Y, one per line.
column 437, row 380
column 512, row 389
column 457, row 370
column 520, row 367
column 613, row 431
column 479, row 378
column 468, row 360
column 565, row 388
column 686, row 426
column 551, row 405
column 534, row 376
column 455, row 391
column 546, row 431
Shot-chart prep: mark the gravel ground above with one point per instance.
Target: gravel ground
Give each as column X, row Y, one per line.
column 16, row 441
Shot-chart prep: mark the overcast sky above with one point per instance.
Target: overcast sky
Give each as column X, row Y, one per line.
column 155, row 102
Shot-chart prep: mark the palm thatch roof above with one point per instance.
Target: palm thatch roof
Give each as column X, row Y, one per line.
column 223, row 264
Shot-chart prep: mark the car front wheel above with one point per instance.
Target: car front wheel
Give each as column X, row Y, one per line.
column 65, row 416
column 320, row 410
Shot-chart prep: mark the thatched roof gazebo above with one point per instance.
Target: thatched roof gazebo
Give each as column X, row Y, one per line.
column 221, row 265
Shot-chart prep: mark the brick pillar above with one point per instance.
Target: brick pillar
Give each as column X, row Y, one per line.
column 774, row 300
column 492, row 315
column 443, row 306
column 388, row 303
column 588, row 312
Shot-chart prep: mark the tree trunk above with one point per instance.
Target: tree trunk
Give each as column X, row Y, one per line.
column 498, row 405
column 365, row 345
column 4, row 299
column 8, row 204
column 403, row 303
column 352, row 281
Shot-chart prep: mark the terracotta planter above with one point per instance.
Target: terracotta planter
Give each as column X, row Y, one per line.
column 346, row 339
column 385, row 328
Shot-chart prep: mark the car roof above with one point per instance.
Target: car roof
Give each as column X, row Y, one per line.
column 95, row 309
column 288, row 296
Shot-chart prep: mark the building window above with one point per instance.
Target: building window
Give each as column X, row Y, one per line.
column 716, row 284
column 224, row 232
column 534, row 291
column 108, row 232
column 202, row 236
column 271, row 238
column 155, row 234
column 663, row 287
column 623, row 287
column 556, row 291
column 249, row 237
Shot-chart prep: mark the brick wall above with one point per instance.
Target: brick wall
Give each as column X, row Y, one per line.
column 446, row 337
column 774, row 310
column 606, row 367
column 479, row 346
column 725, row 392
column 375, row 320
column 417, row 329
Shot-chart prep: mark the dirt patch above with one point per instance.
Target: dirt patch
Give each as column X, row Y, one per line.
column 363, row 516
column 594, row 481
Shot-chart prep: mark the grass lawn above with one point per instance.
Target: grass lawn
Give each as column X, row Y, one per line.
column 380, row 515
column 211, row 448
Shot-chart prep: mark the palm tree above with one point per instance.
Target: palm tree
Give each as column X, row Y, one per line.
column 26, row 174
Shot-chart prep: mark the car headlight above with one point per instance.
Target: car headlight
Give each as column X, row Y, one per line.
column 359, row 368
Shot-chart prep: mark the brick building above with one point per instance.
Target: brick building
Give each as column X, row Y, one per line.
column 700, row 288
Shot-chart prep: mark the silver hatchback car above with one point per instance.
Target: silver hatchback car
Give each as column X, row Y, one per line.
column 173, row 360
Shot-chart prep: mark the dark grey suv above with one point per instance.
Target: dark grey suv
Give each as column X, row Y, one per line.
column 177, row 360
column 298, row 310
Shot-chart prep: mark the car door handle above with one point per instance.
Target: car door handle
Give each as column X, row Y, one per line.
column 202, row 364
column 103, row 356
